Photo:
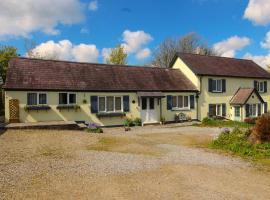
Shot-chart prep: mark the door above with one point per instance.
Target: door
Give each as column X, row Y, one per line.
column 14, row 111
column 149, row 110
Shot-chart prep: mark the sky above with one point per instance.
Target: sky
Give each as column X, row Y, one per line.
column 86, row 30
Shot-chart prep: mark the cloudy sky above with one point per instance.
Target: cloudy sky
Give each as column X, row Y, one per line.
column 84, row 30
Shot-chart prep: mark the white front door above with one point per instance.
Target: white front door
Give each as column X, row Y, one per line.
column 149, row 110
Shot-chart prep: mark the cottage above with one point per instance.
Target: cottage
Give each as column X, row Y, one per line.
column 48, row 90
column 193, row 87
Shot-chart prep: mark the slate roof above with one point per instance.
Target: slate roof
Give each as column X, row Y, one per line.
column 222, row 66
column 38, row 74
column 242, row 95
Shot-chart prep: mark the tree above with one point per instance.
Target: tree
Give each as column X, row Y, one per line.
column 6, row 53
column 189, row 43
column 31, row 52
column 117, row 56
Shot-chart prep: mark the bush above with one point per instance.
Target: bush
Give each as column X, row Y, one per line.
column 250, row 120
column 261, row 130
column 137, row 122
column 94, row 128
column 128, row 122
column 206, row 120
column 237, row 142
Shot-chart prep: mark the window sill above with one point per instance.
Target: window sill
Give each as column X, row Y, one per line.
column 112, row 114
column 68, row 107
column 37, row 107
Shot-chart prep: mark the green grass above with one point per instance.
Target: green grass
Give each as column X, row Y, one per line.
column 237, row 142
column 207, row 122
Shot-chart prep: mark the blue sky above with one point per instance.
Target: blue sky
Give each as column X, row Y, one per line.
column 86, row 30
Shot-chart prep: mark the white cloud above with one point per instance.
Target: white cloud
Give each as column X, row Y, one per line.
column 228, row 47
column 258, row 11
column 93, row 5
column 106, row 53
column 19, row 18
column 65, row 50
column 261, row 60
column 266, row 43
column 144, row 53
column 134, row 41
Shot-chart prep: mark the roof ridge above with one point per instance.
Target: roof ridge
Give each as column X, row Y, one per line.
column 215, row 56
column 99, row 64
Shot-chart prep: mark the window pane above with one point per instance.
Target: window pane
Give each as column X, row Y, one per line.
column 32, row 99
column 174, row 101
column 237, row 112
column 118, row 102
column 63, row 98
column 42, row 98
column 254, row 109
column 214, row 82
column 72, row 98
column 101, row 104
column 185, row 101
column 152, row 103
column 261, row 87
column 144, row 103
column 218, row 110
column 218, row 85
column 180, row 102
column 110, row 104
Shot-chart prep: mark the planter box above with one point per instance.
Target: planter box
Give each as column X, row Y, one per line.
column 29, row 108
column 117, row 114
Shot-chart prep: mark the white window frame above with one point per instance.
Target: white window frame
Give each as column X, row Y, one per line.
column 215, row 82
column 68, row 93
column 239, row 109
column 251, row 110
column 260, row 86
column 38, row 93
column 114, row 111
column 220, row 110
column 177, row 102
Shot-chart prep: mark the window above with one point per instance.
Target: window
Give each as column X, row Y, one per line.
column 152, row 103
column 66, row 98
column 217, row 85
column 110, row 104
column 180, row 102
column 237, row 111
column 261, row 87
column 253, row 110
column 32, row 99
column 144, row 103
column 218, row 110
column 35, row 98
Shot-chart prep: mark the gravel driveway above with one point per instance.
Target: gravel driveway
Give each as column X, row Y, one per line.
column 153, row 162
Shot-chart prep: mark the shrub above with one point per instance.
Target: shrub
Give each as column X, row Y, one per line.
column 137, row 122
column 250, row 120
column 206, row 120
column 261, row 130
column 94, row 128
column 128, row 122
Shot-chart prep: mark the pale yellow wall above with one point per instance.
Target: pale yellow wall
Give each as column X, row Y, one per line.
column 84, row 113
column 179, row 64
column 169, row 114
column 232, row 85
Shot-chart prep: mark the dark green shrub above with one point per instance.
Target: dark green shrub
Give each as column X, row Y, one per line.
column 137, row 122
column 128, row 122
